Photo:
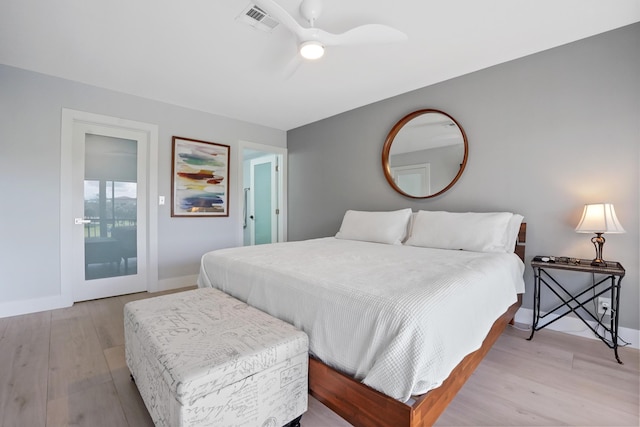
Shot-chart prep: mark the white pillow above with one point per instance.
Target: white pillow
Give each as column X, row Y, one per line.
column 378, row 227
column 471, row 231
column 410, row 226
column 511, row 235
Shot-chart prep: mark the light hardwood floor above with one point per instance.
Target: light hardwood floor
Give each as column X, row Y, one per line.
column 66, row 368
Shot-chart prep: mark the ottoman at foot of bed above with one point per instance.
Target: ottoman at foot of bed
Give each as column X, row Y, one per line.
column 202, row 358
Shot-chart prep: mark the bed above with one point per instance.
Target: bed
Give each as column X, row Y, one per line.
column 397, row 318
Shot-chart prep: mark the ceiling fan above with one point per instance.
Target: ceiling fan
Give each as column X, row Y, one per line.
column 312, row 41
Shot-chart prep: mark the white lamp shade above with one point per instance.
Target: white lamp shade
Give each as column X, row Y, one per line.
column 311, row 50
column 599, row 218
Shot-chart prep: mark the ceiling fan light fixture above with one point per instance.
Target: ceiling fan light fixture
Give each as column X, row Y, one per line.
column 311, row 50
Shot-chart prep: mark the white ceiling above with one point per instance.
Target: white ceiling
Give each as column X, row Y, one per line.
column 194, row 53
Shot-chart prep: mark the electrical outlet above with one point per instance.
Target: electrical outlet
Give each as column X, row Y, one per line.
column 604, row 306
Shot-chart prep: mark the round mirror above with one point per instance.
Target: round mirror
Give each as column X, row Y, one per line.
column 424, row 154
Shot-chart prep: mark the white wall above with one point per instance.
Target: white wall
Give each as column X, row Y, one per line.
column 547, row 133
column 30, row 117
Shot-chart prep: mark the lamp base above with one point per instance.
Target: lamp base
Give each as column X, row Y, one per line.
column 598, row 242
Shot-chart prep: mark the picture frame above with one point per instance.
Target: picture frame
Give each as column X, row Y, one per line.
column 199, row 178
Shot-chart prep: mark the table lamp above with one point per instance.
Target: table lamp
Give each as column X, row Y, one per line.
column 599, row 218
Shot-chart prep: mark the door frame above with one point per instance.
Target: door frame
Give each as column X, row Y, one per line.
column 282, row 186
column 69, row 119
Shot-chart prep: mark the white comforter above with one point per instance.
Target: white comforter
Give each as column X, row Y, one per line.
column 398, row 318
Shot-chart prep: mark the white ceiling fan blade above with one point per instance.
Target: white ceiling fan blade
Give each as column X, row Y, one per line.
column 278, row 13
column 292, row 67
column 364, row 34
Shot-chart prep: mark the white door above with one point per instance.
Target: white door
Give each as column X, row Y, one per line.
column 414, row 180
column 263, row 200
column 108, row 242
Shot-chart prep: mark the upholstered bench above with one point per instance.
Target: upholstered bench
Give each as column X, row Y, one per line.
column 204, row 358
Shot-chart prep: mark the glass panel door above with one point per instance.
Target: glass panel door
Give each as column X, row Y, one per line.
column 262, row 200
column 110, row 207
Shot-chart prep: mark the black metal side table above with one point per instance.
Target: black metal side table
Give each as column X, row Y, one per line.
column 570, row 303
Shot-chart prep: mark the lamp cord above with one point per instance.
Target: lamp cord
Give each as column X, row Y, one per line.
column 595, row 310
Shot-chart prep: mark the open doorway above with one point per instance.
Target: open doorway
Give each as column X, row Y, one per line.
column 262, row 193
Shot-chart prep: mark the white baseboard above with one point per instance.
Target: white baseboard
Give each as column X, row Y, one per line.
column 18, row 308
column 574, row 326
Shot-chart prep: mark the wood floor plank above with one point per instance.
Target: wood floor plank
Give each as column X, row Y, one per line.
column 517, row 384
column 108, row 319
column 622, row 396
column 94, row 406
column 319, row 415
column 76, row 310
column 134, row 297
column 618, row 380
column 76, row 359
column 514, row 342
column 24, row 349
column 130, row 399
column 473, row 407
column 564, row 405
column 4, row 322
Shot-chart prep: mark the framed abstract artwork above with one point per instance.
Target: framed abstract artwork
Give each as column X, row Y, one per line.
column 200, row 178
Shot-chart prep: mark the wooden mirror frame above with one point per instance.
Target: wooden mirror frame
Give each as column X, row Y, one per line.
column 391, row 137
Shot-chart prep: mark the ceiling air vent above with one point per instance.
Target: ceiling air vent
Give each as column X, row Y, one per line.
column 257, row 18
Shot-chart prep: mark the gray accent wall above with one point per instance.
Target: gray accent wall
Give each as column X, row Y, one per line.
column 547, row 133
column 30, row 150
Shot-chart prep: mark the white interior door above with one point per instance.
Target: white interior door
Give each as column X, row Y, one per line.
column 109, row 203
column 263, row 200
column 413, row 179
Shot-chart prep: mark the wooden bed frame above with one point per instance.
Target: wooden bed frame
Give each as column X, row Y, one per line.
column 363, row 406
